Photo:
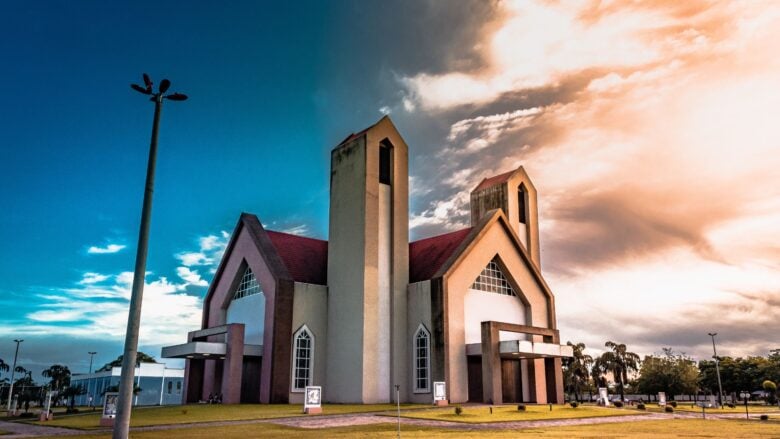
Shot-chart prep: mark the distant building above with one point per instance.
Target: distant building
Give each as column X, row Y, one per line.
column 159, row 385
column 368, row 310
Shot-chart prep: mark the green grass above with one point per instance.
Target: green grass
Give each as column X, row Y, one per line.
column 184, row 414
column 642, row 430
column 725, row 410
column 506, row 413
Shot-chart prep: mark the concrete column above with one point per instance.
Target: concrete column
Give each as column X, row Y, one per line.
column 491, row 365
column 539, row 381
column 209, row 376
column 554, row 380
column 232, row 367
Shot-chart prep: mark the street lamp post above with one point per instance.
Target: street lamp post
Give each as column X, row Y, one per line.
column 717, row 368
column 13, row 373
column 125, row 400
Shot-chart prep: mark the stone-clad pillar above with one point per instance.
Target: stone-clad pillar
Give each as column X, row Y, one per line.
column 233, row 364
column 491, row 365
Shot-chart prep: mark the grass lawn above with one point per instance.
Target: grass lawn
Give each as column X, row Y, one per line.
column 510, row 413
column 739, row 409
column 183, row 414
column 642, row 429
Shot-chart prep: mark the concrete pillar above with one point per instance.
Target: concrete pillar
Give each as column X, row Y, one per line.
column 209, row 376
column 232, row 367
column 554, row 378
column 491, row 365
column 539, row 380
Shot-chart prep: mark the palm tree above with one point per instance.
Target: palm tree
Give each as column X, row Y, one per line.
column 620, row 362
column 4, row 367
column 59, row 376
column 577, row 369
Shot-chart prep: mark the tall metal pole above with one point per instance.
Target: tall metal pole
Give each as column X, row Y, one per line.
column 91, row 354
column 13, row 373
column 125, row 398
column 717, row 368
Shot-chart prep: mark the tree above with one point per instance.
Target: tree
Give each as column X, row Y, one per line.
column 675, row 374
column 139, row 358
column 576, row 369
column 71, row 392
column 21, row 370
column 771, row 391
column 59, row 376
column 620, row 362
column 4, row 367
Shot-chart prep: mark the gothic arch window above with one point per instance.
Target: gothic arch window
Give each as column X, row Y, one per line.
column 493, row 280
column 303, row 359
column 422, row 360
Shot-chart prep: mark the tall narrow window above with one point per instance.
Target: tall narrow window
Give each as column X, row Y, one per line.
column 422, row 360
column 521, row 204
column 384, row 163
column 170, row 387
column 303, row 349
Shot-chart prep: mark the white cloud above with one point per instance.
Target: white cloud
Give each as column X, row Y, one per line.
column 92, row 278
column 300, row 230
column 385, row 110
column 110, row 248
column 191, row 277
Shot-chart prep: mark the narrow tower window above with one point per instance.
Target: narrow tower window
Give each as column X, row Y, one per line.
column 422, row 360
column 303, row 350
column 521, row 204
column 384, row 163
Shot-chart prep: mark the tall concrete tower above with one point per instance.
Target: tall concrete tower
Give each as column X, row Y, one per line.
column 368, row 267
column 513, row 192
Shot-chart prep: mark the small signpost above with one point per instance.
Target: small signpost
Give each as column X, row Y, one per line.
column 110, row 400
column 603, row 397
column 46, row 414
column 312, row 402
column 440, row 394
column 745, row 395
column 662, row 399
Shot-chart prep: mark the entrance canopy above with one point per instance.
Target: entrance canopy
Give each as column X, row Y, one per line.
column 205, row 350
column 525, row 349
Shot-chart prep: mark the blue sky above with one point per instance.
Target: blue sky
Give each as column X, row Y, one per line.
column 475, row 89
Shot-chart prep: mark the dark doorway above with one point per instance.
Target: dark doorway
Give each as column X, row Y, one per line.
column 250, row 380
column 475, row 378
column 511, row 381
column 194, row 381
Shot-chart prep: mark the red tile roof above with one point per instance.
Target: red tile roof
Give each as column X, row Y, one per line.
column 427, row 256
column 496, row 179
column 306, row 259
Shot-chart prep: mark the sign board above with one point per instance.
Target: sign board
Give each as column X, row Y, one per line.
column 661, row 399
column 313, row 397
column 603, row 397
column 439, row 391
column 110, row 400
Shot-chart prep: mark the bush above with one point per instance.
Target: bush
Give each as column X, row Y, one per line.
column 619, row 404
column 673, row 404
column 70, row 411
column 458, row 410
column 669, row 409
column 521, row 407
column 184, row 412
column 574, row 404
column 28, row 415
column 640, row 406
column 730, row 405
column 764, row 417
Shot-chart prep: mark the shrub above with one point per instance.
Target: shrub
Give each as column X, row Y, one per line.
column 28, row 415
column 521, row 407
column 184, row 412
column 71, row 411
column 730, row 405
column 574, row 404
column 669, row 409
column 458, row 410
column 673, row 404
column 764, row 417
column 640, row 406
column 619, row 404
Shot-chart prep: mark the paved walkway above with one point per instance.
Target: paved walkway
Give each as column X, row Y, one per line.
column 21, row 429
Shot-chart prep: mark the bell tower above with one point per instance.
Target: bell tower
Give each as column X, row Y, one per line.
column 513, row 192
column 368, row 266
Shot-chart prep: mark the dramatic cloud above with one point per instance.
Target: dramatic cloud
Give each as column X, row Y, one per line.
column 649, row 131
column 110, row 248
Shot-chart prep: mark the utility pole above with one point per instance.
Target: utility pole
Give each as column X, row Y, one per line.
column 91, row 354
column 125, row 399
column 717, row 368
column 13, row 373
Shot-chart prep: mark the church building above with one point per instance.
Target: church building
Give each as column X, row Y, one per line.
column 368, row 310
